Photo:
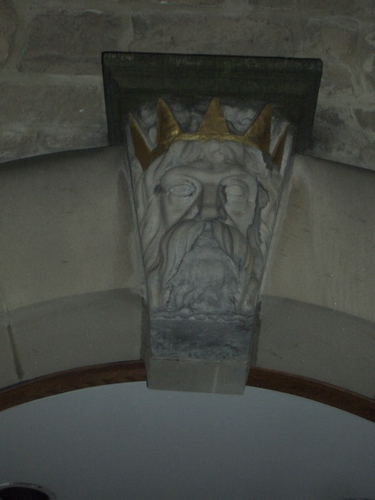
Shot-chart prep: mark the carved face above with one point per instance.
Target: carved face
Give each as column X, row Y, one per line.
column 209, row 190
column 199, row 207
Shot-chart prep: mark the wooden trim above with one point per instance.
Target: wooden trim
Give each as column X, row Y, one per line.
column 72, row 380
column 313, row 389
column 135, row 371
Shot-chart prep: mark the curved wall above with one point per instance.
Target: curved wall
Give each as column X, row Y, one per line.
column 72, row 283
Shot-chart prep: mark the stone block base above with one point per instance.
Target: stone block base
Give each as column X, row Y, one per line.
column 197, row 376
column 198, row 356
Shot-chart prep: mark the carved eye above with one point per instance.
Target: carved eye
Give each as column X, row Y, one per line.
column 182, row 190
column 235, row 190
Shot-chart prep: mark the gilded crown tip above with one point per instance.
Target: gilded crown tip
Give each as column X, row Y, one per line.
column 213, row 127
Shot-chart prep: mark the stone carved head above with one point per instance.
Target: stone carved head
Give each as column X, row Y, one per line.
column 206, row 200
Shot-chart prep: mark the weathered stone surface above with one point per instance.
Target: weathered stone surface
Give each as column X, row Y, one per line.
column 189, row 2
column 366, row 119
column 366, row 73
column 39, row 118
column 8, row 26
column 67, row 42
column 213, row 35
column 21, row 142
column 17, row 142
column 271, row 4
column 338, row 136
column 331, row 37
column 62, row 104
column 335, row 8
column 347, row 57
column 198, row 356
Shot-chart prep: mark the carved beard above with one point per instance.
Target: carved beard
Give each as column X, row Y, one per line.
column 203, row 269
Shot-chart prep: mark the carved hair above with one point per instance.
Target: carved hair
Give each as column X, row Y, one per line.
column 249, row 157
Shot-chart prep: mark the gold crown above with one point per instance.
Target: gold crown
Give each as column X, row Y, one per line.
column 213, row 126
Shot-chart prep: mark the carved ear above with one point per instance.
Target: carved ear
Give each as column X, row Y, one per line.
column 278, row 152
column 260, row 130
column 263, row 196
column 141, row 149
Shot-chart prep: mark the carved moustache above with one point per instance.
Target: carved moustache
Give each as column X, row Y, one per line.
column 182, row 237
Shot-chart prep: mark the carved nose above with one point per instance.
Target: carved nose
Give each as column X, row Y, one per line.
column 209, row 206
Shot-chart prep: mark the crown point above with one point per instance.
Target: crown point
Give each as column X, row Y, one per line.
column 213, row 122
column 260, row 130
column 167, row 127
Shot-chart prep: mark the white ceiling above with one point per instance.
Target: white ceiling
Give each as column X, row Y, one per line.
column 124, row 441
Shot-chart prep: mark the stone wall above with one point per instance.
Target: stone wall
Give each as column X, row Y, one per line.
column 51, row 92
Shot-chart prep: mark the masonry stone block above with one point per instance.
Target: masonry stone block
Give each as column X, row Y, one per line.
column 18, row 141
column 318, row 343
column 213, row 35
column 189, row 2
column 51, row 103
column 270, row 4
column 323, row 251
column 335, row 7
column 339, row 136
column 72, row 42
column 224, row 377
column 73, row 214
column 334, row 38
column 46, row 117
column 8, row 27
column 76, row 331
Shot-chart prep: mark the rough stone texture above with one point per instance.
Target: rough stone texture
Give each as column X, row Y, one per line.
column 323, row 251
column 334, row 40
column 338, row 135
column 344, row 43
column 318, row 343
column 213, row 35
column 68, row 40
column 347, row 84
column 198, row 356
column 366, row 119
column 76, row 331
column 20, row 142
column 62, row 104
column 71, row 42
column 189, row 2
column 320, row 7
column 37, row 118
column 8, row 27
